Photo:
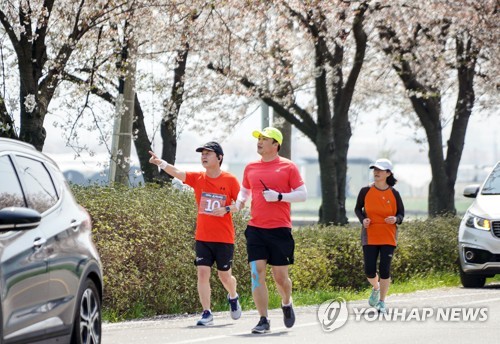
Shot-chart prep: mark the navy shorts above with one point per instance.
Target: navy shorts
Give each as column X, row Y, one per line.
column 275, row 245
column 209, row 252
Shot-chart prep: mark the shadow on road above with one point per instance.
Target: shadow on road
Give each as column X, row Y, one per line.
column 270, row 334
column 209, row 326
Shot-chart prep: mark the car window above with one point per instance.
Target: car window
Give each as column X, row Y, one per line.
column 492, row 184
column 58, row 179
column 39, row 189
column 11, row 194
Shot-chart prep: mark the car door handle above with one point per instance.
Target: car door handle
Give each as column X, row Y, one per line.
column 75, row 225
column 39, row 242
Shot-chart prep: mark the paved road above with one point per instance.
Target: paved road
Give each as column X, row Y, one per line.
column 362, row 326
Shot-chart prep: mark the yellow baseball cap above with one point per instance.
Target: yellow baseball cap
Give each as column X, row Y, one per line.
column 270, row 132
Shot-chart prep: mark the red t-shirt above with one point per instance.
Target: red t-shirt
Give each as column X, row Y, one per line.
column 280, row 175
column 211, row 193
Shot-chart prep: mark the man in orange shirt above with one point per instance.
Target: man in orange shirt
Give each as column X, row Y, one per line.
column 380, row 209
column 273, row 183
column 215, row 191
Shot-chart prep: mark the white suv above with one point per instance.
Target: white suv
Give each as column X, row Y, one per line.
column 479, row 233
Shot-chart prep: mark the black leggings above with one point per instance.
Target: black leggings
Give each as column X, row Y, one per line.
column 371, row 253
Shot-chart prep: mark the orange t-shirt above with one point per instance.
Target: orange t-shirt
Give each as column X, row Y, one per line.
column 280, row 175
column 211, row 193
column 380, row 204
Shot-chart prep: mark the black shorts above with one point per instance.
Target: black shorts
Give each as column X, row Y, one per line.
column 209, row 252
column 371, row 253
column 275, row 245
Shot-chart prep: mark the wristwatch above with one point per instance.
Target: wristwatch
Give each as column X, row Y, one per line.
column 228, row 209
column 280, row 197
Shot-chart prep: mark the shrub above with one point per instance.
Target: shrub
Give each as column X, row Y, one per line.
column 333, row 256
column 145, row 237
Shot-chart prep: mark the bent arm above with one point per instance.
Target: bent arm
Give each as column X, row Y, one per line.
column 297, row 195
column 243, row 196
column 360, row 205
column 400, row 213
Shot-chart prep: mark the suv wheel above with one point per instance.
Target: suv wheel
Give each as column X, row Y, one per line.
column 87, row 322
column 472, row 281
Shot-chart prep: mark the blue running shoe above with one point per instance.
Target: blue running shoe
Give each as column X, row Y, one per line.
column 206, row 319
column 263, row 326
column 374, row 297
column 381, row 307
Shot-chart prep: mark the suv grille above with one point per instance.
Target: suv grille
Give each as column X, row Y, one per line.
column 495, row 226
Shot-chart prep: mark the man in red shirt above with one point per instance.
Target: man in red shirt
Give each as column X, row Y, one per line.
column 273, row 183
column 215, row 191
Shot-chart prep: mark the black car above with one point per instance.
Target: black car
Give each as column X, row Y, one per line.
column 50, row 271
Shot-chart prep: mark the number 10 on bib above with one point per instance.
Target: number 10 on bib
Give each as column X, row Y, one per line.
column 210, row 201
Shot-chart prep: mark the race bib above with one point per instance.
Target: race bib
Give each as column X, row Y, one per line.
column 209, row 202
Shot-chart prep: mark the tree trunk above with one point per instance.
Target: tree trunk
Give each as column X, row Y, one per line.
column 286, row 129
column 172, row 107
column 342, row 134
column 168, row 131
column 6, row 122
column 441, row 196
column 143, row 145
column 32, row 117
column 428, row 109
column 329, row 212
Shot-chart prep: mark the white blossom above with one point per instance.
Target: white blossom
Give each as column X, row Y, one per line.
column 30, row 103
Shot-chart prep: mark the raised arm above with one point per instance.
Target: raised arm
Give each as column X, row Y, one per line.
column 165, row 166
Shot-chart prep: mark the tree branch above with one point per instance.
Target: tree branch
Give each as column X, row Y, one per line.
column 306, row 124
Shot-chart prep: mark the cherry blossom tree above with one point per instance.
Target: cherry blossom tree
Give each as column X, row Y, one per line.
column 44, row 34
column 302, row 59
column 163, row 35
column 434, row 46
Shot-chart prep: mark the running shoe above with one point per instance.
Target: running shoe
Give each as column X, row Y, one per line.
column 288, row 315
column 263, row 326
column 206, row 319
column 381, row 307
column 374, row 297
column 234, row 307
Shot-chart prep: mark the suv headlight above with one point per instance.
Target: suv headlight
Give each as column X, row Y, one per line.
column 477, row 222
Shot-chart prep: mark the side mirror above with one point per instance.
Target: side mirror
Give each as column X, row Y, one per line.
column 471, row 190
column 15, row 218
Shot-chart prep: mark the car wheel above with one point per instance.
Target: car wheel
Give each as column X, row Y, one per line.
column 472, row 281
column 87, row 321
